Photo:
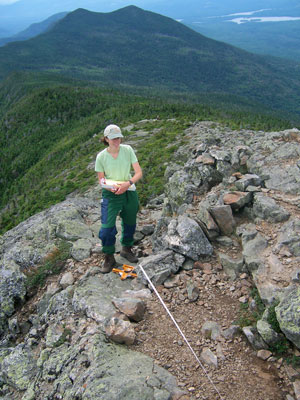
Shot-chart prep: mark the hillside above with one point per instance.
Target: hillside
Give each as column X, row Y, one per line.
column 135, row 48
column 49, row 134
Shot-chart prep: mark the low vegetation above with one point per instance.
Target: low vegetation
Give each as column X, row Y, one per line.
column 49, row 134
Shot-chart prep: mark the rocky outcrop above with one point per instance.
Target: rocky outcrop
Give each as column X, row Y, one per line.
column 235, row 195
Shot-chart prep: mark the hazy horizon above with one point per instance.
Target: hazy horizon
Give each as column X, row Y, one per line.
column 17, row 15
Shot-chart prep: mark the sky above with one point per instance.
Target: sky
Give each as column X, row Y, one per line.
column 3, row 2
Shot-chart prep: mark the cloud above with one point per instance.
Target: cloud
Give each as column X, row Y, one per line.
column 5, row 2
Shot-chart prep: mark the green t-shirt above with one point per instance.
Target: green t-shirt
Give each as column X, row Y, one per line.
column 117, row 169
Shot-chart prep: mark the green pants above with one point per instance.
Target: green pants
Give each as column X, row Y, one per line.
column 126, row 205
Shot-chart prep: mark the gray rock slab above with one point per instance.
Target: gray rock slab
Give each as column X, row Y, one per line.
column 267, row 209
column 93, row 295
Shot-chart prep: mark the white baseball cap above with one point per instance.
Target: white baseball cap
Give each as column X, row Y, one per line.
column 113, row 132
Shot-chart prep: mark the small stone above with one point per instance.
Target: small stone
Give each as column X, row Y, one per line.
column 243, row 299
column 208, row 357
column 133, row 308
column 120, row 331
column 66, row 280
column 264, row 354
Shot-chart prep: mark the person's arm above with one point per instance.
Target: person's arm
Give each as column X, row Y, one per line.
column 138, row 173
column 100, row 176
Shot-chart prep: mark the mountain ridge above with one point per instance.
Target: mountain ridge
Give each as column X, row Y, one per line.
column 134, row 47
column 34, row 29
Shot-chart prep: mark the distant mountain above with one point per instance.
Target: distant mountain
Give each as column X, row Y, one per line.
column 136, row 48
column 34, row 29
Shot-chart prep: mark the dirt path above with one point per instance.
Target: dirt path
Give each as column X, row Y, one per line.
column 240, row 374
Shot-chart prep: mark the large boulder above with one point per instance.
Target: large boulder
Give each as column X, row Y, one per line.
column 179, row 190
column 186, row 237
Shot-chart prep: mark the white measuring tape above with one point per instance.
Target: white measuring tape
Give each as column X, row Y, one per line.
column 180, row 331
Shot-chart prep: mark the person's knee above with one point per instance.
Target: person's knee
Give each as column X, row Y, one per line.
column 108, row 235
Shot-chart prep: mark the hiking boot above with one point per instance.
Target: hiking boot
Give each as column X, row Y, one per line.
column 127, row 253
column 109, row 263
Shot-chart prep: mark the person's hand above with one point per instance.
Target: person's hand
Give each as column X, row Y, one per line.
column 122, row 188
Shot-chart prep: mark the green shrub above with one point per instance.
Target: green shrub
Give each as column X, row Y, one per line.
column 52, row 264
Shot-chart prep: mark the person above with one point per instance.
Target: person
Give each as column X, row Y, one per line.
column 115, row 163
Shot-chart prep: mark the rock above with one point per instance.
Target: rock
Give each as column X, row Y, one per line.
column 211, row 330
column 179, row 190
column 67, row 280
column 120, row 331
column 54, row 335
column 19, row 368
column 187, row 238
column 133, row 308
column 93, row 295
column 290, row 237
column 206, row 159
column 254, row 339
column 292, row 373
column 12, row 290
column 209, row 358
column 267, row 209
column 224, row 241
column 246, row 180
column 192, row 291
column 81, row 249
column 267, row 333
column 231, row 332
column 296, row 386
column 188, row 265
column 143, row 294
column 160, row 266
column 282, row 176
column 288, row 316
column 224, row 218
column 237, row 200
column 219, row 352
column 296, row 276
column 264, row 354
column 171, row 282
column 252, row 250
column 148, row 229
column 232, row 267
column 30, row 242
column 289, row 397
